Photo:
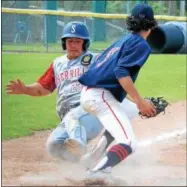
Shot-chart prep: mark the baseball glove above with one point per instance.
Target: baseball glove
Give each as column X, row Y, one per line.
column 160, row 105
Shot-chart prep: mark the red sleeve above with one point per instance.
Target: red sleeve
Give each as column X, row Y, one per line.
column 47, row 80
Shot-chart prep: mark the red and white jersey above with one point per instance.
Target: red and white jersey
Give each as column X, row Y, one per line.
column 63, row 75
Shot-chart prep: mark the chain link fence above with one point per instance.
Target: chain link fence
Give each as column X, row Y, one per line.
column 24, row 32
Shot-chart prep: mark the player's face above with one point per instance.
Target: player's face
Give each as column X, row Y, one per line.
column 74, row 47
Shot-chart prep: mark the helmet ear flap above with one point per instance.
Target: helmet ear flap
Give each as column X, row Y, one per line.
column 86, row 45
column 63, row 44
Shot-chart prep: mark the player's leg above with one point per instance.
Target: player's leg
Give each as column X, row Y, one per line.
column 89, row 159
column 92, row 125
column 77, row 136
column 68, row 140
column 56, row 146
column 81, row 127
column 102, row 104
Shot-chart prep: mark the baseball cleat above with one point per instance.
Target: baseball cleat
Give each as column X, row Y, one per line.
column 100, row 177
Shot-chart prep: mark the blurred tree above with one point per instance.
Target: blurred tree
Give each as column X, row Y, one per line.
column 164, row 7
column 78, row 5
column 115, row 7
column 32, row 4
column 36, row 4
column 159, row 7
column 172, row 8
column 8, row 4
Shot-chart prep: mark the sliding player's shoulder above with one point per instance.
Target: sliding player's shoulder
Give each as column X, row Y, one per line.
column 60, row 60
column 87, row 59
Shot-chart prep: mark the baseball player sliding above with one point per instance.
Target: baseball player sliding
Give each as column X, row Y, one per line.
column 110, row 78
column 69, row 139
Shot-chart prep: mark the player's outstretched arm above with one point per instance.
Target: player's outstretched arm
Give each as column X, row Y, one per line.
column 145, row 107
column 18, row 87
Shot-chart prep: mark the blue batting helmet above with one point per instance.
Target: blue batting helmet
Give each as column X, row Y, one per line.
column 76, row 29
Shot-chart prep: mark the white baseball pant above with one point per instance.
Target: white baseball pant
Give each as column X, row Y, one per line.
column 101, row 103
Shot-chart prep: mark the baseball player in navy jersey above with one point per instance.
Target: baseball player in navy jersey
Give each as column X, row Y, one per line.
column 69, row 139
column 110, row 78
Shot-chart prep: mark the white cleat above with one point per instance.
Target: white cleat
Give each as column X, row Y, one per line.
column 100, row 177
column 107, row 171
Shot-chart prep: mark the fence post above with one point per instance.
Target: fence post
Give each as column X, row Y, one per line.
column 128, row 7
column 182, row 8
column 50, row 22
column 99, row 32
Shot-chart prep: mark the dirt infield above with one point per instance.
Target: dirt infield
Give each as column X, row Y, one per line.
column 160, row 158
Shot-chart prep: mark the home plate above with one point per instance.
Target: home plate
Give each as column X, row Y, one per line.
column 100, row 180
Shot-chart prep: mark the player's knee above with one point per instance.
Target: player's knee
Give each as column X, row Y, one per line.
column 55, row 148
column 92, row 126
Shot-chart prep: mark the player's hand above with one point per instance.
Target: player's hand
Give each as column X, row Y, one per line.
column 16, row 87
column 146, row 108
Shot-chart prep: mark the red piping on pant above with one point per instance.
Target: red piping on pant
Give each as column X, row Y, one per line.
column 114, row 115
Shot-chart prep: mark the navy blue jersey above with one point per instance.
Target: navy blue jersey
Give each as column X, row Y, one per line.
column 123, row 58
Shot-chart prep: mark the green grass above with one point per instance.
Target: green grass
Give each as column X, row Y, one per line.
column 163, row 75
column 22, row 115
